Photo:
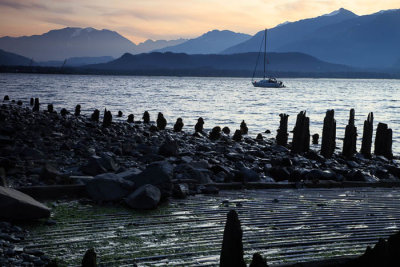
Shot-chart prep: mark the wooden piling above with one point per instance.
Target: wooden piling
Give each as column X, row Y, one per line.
column 36, row 105
column 95, row 115
column 350, row 137
column 282, row 135
column 77, row 110
column 328, row 143
column 383, row 141
column 146, row 117
column 367, row 136
column 107, row 119
column 232, row 246
column 301, row 134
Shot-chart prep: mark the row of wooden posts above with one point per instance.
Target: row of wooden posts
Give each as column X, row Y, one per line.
column 301, row 132
column 301, row 136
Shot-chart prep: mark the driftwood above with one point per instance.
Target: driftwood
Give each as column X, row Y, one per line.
column 282, row 135
column 350, row 137
column 367, row 136
column 301, row 134
column 328, row 143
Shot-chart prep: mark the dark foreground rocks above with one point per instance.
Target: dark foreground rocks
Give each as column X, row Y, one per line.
column 46, row 148
column 15, row 205
column 13, row 254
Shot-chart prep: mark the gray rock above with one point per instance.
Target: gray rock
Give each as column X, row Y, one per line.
column 169, row 148
column 15, row 205
column 109, row 187
column 181, row 190
column 129, row 173
column 200, row 175
column 94, row 166
column 145, row 197
column 248, row 175
column 158, row 174
column 100, row 164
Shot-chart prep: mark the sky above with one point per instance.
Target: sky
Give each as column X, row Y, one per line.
column 139, row 20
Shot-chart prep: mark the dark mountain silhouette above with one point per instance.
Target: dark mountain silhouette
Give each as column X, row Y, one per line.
column 150, row 45
column 212, row 42
column 290, row 32
column 76, row 61
column 69, row 42
column 11, row 59
column 57, row 45
column 370, row 41
column 290, row 62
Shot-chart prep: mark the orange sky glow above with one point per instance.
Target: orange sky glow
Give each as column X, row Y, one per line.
column 139, row 20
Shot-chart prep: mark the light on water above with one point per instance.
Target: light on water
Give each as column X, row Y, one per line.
column 220, row 101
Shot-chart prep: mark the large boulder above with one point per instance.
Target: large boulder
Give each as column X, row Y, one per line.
column 169, row 148
column 248, row 175
column 189, row 171
column 15, row 205
column 145, row 197
column 100, row 164
column 109, row 187
column 158, row 174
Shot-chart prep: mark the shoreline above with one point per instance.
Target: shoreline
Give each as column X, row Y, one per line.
column 194, row 73
column 49, row 148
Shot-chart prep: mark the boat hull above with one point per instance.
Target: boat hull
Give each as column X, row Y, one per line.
column 268, row 84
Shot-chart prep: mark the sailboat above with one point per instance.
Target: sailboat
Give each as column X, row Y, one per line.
column 270, row 82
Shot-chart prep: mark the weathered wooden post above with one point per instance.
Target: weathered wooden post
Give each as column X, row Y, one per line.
column 232, row 246
column 215, row 133
column 198, row 128
column 95, row 115
column 131, row 118
column 32, row 102
column 367, row 136
column 226, row 130
column 107, row 119
column 328, row 143
column 161, row 121
column 301, row 133
column 50, row 108
column 120, row 114
column 315, row 138
column 350, row 138
column 243, row 128
column 178, row 125
column 36, row 105
column 6, row 98
column 146, row 117
column 383, row 141
column 237, row 136
column 282, row 135
column 77, row 110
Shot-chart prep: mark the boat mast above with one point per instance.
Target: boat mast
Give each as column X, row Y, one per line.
column 265, row 49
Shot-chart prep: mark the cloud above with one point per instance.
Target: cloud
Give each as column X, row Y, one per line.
column 21, row 4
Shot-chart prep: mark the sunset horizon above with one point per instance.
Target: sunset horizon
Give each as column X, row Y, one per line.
column 162, row 20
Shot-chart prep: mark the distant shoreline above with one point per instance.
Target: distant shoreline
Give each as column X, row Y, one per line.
column 203, row 72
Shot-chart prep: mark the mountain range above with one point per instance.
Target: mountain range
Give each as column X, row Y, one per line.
column 58, row 45
column 212, row 42
column 371, row 42
column 288, row 62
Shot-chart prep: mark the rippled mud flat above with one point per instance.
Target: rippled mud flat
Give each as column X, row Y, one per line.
column 286, row 226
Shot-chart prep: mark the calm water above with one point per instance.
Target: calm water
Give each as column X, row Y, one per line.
column 220, row 101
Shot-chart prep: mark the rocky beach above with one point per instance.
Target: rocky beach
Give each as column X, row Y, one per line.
column 142, row 163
